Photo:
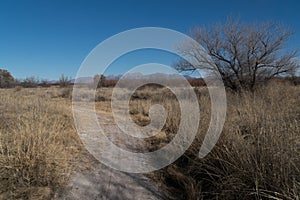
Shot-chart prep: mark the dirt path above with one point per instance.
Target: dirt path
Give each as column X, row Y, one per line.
column 106, row 183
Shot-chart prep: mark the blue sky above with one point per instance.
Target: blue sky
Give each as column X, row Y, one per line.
column 50, row 38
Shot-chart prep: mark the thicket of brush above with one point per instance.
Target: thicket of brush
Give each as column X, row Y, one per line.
column 257, row 156
column 38, row 143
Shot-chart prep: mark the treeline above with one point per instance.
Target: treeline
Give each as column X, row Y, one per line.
column 8, row 81
column 32, row 82
column 101, row 81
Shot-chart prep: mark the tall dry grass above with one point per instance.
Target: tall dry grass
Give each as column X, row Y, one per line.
column 38, row 144
column 257, row 156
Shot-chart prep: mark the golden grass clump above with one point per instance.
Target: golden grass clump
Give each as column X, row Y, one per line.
column 37, row 144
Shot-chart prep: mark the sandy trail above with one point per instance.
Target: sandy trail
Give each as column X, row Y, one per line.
column 106, row 183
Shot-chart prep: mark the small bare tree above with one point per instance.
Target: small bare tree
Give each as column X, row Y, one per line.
column 64, row 81
column 243, row 54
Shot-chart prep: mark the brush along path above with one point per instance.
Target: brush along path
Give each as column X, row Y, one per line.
column 103, row 182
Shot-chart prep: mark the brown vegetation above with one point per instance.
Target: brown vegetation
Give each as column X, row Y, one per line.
column 38, row 144
column 6, row 79
column 257, row 156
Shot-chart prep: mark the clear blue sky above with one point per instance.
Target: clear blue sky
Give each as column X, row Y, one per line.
column 49, row 38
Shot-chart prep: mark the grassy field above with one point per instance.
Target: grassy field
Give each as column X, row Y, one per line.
column 257, row 156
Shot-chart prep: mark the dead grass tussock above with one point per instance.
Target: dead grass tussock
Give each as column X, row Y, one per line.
column 38, row 143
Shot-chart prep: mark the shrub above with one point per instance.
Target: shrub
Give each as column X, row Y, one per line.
column 45, row 83
column 30, row 82
column 6, row 79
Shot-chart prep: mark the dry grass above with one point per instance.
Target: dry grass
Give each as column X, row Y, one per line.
column 38, row 144
column 257, row 156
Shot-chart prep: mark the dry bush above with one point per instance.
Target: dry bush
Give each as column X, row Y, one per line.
column 257, row 156
column 37, row 144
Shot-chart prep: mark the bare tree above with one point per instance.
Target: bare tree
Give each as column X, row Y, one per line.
column 64, row 81
column 243, row 54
